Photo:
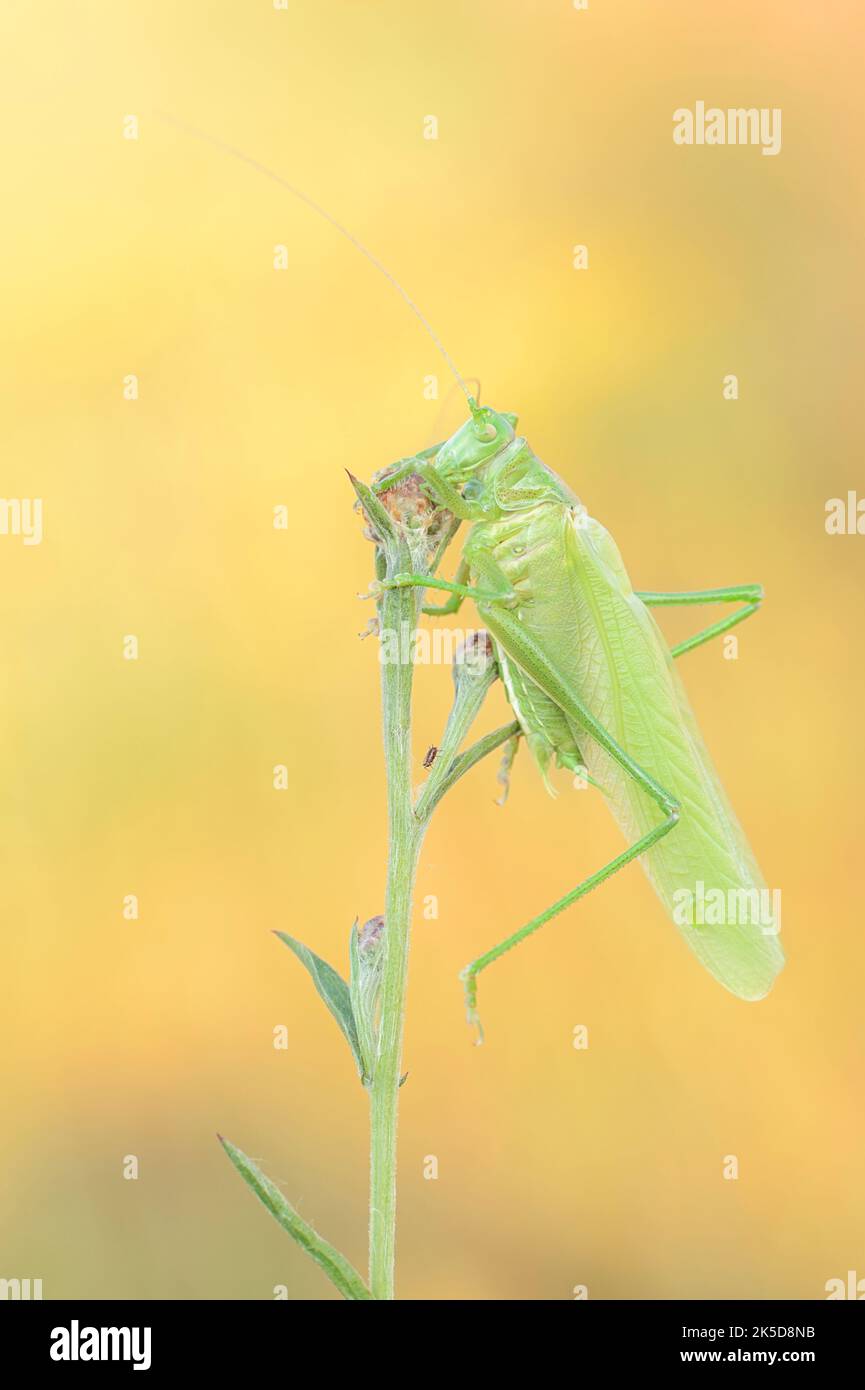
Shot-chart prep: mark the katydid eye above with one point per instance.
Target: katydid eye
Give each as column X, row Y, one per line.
column 472, row 489
column 487, row 431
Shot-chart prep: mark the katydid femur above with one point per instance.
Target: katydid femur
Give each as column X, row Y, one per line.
column 593, row 687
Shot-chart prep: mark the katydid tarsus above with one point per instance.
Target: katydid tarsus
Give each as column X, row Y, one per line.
column 586, row 668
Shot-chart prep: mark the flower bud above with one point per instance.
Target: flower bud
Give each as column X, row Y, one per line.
column 475, row 659
column 366, row 950
column 369, row 938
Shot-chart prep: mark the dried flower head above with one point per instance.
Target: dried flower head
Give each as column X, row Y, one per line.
column 416, row 516
column 475, row 657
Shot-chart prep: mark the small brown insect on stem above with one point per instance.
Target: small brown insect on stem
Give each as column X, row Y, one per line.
column 430, row 755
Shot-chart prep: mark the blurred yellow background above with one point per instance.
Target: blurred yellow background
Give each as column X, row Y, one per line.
column 259, row 387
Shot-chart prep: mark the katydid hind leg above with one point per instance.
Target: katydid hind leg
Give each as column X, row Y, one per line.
column 470, row 973
column 751, row 595
column 521, row 649
column 706, row 634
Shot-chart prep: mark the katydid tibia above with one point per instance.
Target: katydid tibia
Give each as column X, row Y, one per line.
column 592, row 681
column 589, row 675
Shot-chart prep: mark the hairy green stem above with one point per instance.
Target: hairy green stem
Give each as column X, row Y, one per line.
column 405, row 835
column 459, row 766
column 473, row 675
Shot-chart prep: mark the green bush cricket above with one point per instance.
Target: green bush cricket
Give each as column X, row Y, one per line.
column 592, row 682
column 593, row 686
column 585, row 665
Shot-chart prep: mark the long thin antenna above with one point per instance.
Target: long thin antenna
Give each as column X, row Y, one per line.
column 328, row 217
column 441, row 417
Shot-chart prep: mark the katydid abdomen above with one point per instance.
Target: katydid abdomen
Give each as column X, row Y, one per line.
column 575, row 604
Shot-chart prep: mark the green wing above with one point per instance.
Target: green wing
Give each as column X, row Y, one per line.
column 582, row 612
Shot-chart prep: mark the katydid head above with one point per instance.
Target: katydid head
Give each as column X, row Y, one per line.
column 475, row 443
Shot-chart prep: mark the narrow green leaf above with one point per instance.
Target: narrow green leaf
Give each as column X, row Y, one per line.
column 377, row 514
column 333, row 990
column 336, row 1266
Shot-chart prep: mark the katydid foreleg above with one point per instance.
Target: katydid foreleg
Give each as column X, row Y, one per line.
column 444, row 495
column 442, row 492
column 504, row 594
column 454, row 603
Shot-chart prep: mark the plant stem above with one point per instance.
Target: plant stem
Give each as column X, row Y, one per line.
column 473, row 676
column 459, row 766
column 405, row 835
